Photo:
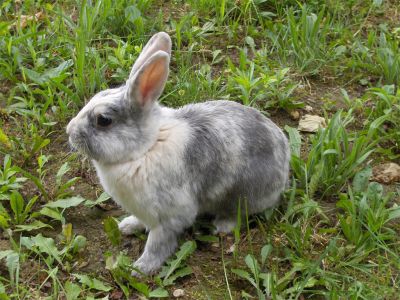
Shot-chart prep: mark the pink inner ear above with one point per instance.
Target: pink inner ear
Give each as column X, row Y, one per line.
column 151, row 80
column 145, row 90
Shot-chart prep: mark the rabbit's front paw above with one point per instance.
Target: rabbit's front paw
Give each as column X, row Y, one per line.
column 129, row 225
column 145, row 266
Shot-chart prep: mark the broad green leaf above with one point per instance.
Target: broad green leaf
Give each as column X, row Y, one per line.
column 47, row 245
column 59, row 70
column 72, row 290
column 54, row 73
column 294, row 140
column 61, row 172
column 66, row 203
column 159, row 293
column 268, row 280
column 394, row 213
column 374, row 190
column 4, row 219
column 67, row 232
column 40, row 144
column 52, row 213
column 17, row 205
column 3, row 294
column 185, row 250
column 182, row 272
column 30, row 204
column 311, row 282
column 63, row 188
column 112, row 230
column 245, row 275
column 102, row 198
column 330, row 151
column 36, row 224
column 267, row 14
column 78, row 243
column 42, row 160
column 139, row 286
column 12, row 261
column 250, row 41
column 4, row 139
column 93, row 283
column 34, row 76
column 339, row 50
column 5, row 253
column 26, row 242
column 252, row 263
column 132, row 13
column 361, row 180
column 265, row 252
column 44, row 245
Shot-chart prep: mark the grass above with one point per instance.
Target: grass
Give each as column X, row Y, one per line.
column 335, row 234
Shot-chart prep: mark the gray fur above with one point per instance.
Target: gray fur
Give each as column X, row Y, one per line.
column 264, row 157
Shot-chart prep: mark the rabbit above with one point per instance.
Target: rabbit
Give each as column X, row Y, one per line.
column 167, row 166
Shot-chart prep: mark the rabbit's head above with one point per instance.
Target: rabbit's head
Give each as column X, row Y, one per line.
column 119, row 124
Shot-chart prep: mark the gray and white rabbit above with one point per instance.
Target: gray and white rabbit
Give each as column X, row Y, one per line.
column 166, row 166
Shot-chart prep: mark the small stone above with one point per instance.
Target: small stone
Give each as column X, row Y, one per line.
column 47, row 285
column 294, row 115
column 215, row 245
column 386, row 173
column 24, row 19
column 231, row 249
column 178, row 293
column 308, row 108
column 311, row 123
column 116, row 295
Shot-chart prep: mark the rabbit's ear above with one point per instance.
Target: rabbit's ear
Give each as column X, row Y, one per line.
column 148, row 83
column 159, row 41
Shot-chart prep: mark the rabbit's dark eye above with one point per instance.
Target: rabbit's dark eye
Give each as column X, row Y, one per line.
column 103, row 121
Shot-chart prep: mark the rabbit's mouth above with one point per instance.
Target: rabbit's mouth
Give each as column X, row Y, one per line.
column 80, row 145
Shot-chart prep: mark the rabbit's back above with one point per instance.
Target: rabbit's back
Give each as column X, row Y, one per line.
column 235, row 152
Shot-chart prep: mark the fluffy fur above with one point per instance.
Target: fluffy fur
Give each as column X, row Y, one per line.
column 166, row 166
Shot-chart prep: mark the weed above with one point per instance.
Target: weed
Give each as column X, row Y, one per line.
column 379, row 102
column 256, row 85
column 112, row 231
column 366, row 213
column 388, row 59
column 175, row 268
column 380, row 55
column 9, row 179
column 256, row 277
column 335, row 156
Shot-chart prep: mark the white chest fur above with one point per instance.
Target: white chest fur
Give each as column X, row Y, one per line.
column 137, row 185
